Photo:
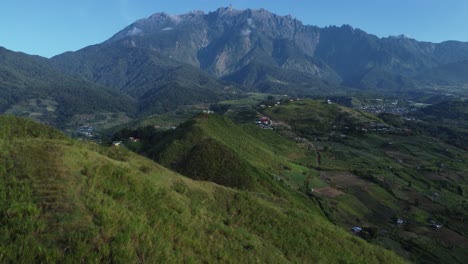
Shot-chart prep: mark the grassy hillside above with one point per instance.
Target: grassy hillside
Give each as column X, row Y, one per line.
column 376, row 173
column 66, row 201
column 211, row 147
column 318, row 118
column 445, row 120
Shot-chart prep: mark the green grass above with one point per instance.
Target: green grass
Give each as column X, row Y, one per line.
column 396, row 175
column 66, row 201
column 263, row 153
column 315, row 118
column 251, row 99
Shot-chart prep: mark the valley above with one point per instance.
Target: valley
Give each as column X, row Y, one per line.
column 232, row 136
column 361, row 170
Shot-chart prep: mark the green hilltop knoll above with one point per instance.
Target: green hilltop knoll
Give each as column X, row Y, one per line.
column 211, row 146
column 65, row 201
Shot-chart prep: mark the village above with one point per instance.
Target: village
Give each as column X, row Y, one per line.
column 85, row 132
column 378, row 106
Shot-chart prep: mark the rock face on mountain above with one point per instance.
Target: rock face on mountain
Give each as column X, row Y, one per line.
column 166, row 61
column 228, row 40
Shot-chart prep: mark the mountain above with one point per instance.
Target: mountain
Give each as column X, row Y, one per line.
column 168, row 61
column 265, row 78
column 68, row 201
column 29, row 86
column 164, row 62
column 447, row 74
column 158, row 83
column 229, row 41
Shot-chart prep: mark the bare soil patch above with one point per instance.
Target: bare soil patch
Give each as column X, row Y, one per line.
column 450, row 238
column 329, row 192
column 344, row 179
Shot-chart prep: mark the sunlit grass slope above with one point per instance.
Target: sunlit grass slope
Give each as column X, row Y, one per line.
column 212, row 147
column 66, row 201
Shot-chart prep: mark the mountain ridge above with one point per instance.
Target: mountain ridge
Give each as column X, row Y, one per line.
column 227, row 41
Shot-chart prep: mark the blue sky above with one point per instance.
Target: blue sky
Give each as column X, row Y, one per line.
column 50, row 27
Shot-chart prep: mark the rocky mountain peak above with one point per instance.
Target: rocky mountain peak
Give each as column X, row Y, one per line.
column 227, row 40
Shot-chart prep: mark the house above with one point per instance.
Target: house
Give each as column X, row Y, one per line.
column 117, row 143
column 356, row 229
column 264, row 120
column 400, row 221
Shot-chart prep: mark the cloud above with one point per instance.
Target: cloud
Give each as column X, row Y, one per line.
column 176, row 18
column 134, row 31
column 246, row 32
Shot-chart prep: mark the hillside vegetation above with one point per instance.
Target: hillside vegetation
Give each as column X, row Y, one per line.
column 66, row 201
column 157, row 83
column 212, row 147
column 377, row 171
column 30, row 87
column 445, row 120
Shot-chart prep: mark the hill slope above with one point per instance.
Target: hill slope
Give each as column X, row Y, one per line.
column 158, row 83
column 30, row 87
column 212, row 147
column 377, row 172
column 361, row 169
column 65, row 201
column 447, row 74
